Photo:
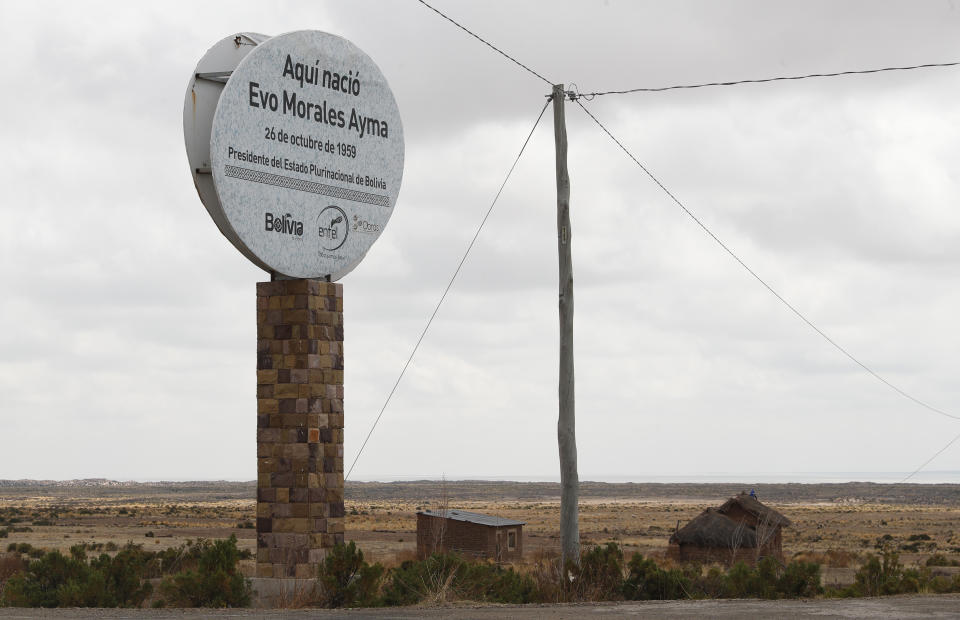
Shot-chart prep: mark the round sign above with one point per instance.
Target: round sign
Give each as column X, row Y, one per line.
column 306, row 153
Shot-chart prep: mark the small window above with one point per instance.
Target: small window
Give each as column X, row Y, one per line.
column 511, row 540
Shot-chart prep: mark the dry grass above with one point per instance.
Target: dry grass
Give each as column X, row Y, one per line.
column 833, row 534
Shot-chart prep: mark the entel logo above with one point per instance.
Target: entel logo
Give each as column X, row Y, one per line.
column 285, row 224
column 332, row 228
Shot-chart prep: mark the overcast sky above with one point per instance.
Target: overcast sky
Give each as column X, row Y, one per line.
column 128, row 342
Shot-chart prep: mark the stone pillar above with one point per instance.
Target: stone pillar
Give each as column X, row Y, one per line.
column 299, row 425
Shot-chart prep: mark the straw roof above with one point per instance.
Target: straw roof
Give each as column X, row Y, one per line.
column 754, row 507
column 714, row 529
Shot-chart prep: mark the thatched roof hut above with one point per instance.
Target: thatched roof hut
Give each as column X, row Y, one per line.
column 741, row 529
column 714, row 529
column 748, row 508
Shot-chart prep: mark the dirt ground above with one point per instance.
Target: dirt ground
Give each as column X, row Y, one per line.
column 837, row 534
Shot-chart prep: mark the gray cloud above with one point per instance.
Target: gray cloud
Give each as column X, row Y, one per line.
column 130, row 336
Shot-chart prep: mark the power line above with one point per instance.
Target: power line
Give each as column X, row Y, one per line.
column 927, row 462
column 589, row 96
column 447, row 289
column 485, row 42
column 761, row 280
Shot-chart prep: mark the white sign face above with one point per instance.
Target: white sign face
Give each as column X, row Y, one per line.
column 306, row 153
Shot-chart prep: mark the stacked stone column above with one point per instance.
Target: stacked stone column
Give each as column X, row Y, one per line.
column 299, row 425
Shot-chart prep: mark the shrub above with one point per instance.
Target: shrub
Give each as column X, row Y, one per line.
column 55, row 580
column 647, row 581
column 600, row 574
column 445, row 577
column 939, row 559
column 216, row 582
column 347, row 581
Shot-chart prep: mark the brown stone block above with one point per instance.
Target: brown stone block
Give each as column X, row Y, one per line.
column 299, row 496
column 261, row 303
column 273, row 303
column 335, row 496
column 305, row 571
column 300, row 480
column 263, row 480
column 328, row 540
column 313, row 479
column 299, row 376
column 267, row 405
column 318, row 497
column 283, row 525
column 263, row 555
column 313, row 435
column 265, row 570
column 266, row 466
column 333, row 480
column 336, row 421
column 273, row 318
column 301, row 405
column 299, row 286
column 323, row 347
column 340, row 305
column 286, row 390
column 335, row 526
column 313, row 287
column 266, row 495
column 323, row 420
column 336, row 404
column 283, row 495
column 298, row 510
column 266, row 377
column 265, row 331
column 284, row 479
column 300, row 465
column 281, row 511
column 337, row 289
column 319, row 510
column 263, row 509
column 317, row 556
column 287, row 302
column 297, row 317
column 264, row 391
column 300, row 451
column 287, row 405
column 299, row 525
column 282, row 331
column 264, row 525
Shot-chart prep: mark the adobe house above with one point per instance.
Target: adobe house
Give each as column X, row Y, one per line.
column 740, row 530
column 469, row 533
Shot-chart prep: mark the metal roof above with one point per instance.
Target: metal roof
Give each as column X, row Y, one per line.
column 472, row 517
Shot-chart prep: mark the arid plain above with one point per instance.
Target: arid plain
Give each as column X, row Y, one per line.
column 833, row 524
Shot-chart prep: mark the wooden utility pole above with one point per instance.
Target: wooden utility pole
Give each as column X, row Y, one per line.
column 566, row 423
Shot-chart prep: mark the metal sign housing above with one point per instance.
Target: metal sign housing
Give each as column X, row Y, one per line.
column 305, row 150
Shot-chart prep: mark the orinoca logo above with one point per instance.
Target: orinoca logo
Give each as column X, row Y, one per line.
column 332, row 227
column 364, row 226
column 283, row 224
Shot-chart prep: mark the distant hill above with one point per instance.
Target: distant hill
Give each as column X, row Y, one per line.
column 481, row 490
